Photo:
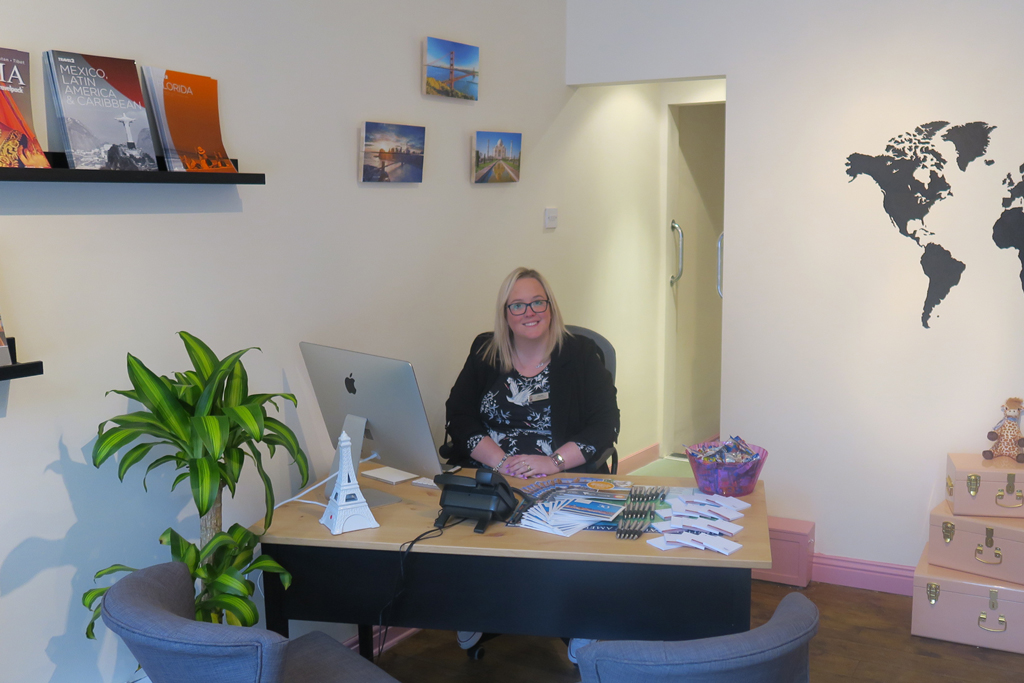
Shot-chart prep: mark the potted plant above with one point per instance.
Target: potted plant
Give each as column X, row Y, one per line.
column 210, row 423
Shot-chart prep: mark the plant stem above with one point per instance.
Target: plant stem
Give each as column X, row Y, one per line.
column 211, row 523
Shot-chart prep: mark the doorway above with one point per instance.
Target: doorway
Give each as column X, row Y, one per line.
column 695, row 201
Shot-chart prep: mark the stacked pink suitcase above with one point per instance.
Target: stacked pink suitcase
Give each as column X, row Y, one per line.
column 968, row 584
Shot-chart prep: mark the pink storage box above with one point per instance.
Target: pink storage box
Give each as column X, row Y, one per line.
column 792, row 544
column 967, row 608
column 984, row 488
column 992, row 547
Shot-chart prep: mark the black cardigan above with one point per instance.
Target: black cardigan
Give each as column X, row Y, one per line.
column 583, row 406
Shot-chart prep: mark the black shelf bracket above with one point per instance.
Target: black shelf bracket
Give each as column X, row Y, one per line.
column 60, row 173
column 18, row 370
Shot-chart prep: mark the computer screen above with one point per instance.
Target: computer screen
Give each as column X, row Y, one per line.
column 384, row 392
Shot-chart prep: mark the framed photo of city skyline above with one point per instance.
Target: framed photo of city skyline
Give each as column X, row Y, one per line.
column 496, row 157
column 392, row 153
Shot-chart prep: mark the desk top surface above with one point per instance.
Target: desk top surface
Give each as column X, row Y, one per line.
column 298, row 523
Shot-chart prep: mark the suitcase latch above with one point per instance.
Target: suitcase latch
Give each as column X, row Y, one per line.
column 1011, row 482
column 949, row 486
column 989, row 531
column 948, row 529
column 932, row 591
column 973, row 484
column 993, row 599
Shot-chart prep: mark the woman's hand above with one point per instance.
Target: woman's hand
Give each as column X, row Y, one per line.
column 528, row 466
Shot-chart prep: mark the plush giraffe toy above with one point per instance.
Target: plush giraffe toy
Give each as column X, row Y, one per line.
column 1006, row 434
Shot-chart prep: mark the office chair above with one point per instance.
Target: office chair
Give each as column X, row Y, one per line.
column 153, row 611
column 607, row 354
column 776, row 652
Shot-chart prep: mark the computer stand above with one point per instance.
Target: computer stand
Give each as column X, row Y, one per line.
column 355, row 427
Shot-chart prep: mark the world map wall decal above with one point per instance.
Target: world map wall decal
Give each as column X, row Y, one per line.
column 911, row 176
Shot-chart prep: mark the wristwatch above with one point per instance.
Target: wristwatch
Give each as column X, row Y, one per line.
column 559, row 461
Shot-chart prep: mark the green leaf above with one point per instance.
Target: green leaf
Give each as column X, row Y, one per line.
column 90, row 596
column 269, row 398
column 178, row 479
column 144, row 421
column 249, row 417
column 268, row 486
column 243, row 608
column 163, row 460
column 234, row 458
column 236, row 390
column 111, row 441
column 219, row 540
column 268, row 564
column 243, row 537
column 132, row 457
column 204, row 360
column 160, row 400
column 113, row 569
column 215, row 383
column 90, row 630
column 232, row 582
column 181, row 550
column 127, row 393
column 225, row 476
column 204, row 477
column 288, row 440
column 214, row 431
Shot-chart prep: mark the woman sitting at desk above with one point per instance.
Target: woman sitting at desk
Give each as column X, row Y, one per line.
column 532, row 399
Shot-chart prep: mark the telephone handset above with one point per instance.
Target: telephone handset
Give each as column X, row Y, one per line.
column 485, row 498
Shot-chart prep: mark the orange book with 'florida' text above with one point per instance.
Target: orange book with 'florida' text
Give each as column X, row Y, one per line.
column 188, row 117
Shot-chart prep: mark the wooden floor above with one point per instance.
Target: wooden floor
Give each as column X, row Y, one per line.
column 863, row 636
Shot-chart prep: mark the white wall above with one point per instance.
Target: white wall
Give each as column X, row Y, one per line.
column 89, row 273
column 825, row 360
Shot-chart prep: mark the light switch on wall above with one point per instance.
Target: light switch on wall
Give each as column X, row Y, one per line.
column 550, row 219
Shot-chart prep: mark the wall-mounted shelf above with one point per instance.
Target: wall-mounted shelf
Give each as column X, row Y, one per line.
column 60, row 173
column 17, row 370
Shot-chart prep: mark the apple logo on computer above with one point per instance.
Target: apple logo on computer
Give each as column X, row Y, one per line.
column 350, row 384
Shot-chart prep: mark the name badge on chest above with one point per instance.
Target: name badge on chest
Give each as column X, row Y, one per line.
column 539, row 397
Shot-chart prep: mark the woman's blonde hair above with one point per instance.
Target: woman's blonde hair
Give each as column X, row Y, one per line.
column 500, row 349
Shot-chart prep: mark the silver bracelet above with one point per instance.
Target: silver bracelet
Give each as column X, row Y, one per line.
column 559, row 461
column 497, row 467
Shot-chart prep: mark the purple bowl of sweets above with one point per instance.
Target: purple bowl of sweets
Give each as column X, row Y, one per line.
column 728, row 468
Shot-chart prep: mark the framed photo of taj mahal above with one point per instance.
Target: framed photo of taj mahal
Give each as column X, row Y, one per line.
column 496, row 157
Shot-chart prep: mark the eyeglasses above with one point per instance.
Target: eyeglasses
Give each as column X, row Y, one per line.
column 518, row 308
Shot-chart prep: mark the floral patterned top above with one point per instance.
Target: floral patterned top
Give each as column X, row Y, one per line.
column 517, row 413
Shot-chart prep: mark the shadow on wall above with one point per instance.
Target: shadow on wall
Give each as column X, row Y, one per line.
column 64, row 199
column 107, row 512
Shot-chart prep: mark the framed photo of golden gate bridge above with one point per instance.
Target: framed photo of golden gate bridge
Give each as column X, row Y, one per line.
column 451, row 69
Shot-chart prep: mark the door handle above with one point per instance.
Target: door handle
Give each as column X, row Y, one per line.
column 679, row 268
column 720, row 238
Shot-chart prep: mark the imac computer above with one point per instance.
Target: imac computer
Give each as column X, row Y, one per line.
column 376, row 399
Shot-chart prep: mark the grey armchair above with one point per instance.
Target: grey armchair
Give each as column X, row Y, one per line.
column 153, row 610
column 776, row 652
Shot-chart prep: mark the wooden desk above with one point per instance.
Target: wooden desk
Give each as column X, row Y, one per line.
column 509, row 580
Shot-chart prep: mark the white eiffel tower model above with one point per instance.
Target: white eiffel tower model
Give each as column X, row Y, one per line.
column 347, row 509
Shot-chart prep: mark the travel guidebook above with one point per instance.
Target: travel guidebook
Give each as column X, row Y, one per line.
column 188, row 120
column 19, row 146
column 103, row 116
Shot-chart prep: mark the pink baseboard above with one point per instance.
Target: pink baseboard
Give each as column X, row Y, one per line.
column 634, row 461
column 876, row 576
column 395, row 635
